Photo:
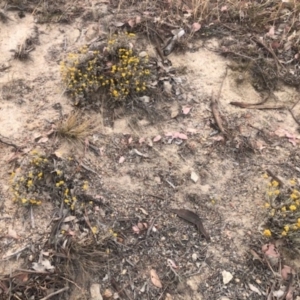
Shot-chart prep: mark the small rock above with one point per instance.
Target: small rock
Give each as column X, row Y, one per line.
column 194, row 177
column 143, row 54
column 168, row 297
column 194, row 256
column 227, row 277
column 224, row 298
column 157, row 179
column 95, row 292
column 107, row 294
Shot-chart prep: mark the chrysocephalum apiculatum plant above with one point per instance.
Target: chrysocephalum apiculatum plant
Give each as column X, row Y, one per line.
column 117, row 70
column 283, row 210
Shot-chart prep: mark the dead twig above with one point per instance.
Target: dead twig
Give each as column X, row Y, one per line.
column 293, row 116
column 270, row 50
column 271, row 174
column 9, row 144
column 214, row 106
column 55, row 293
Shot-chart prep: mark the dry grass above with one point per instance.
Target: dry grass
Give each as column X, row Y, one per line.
column 75, row 129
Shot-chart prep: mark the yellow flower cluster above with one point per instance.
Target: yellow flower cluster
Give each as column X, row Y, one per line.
column 128, row 74
column 81, row 77
column 267, row 233
column 285, row 214
column 24, row 185
column 118, row 70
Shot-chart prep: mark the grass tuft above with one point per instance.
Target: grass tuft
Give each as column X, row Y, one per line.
column 74, row 129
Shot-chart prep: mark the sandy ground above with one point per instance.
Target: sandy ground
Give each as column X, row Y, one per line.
column 229, row 194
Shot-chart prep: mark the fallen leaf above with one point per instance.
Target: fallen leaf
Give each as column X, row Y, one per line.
column 284, row 133
column 157, row 138
column 186, row 110
column 135, row 229
column 130, row 140
column 271, row 253
column 140, row 226
column 193, row 218
column 138, row 19
column 121, row 159
column 131, row 22
column 195, row 27
column 12, row 233
column 254, row 289
column 155, row 279
column 286, row 271
column 182, row 136
column 172, row 263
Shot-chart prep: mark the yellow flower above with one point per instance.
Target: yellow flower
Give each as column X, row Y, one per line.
column 275, row 183
column 272, row 213
column 293, row 207
column 283, row 233
column 283, row 208
column 267, row 205
column 58, row 172
column 30, row 183
column 40, row 174
column 85, row 185
column 286, row 228
column 294, row 227
column 276, row 192
column 296, row 192
column 24, row 200
column 270, row 193
column 294, row 196
column 267, row 233
column 94, row 230
column 292, row 181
